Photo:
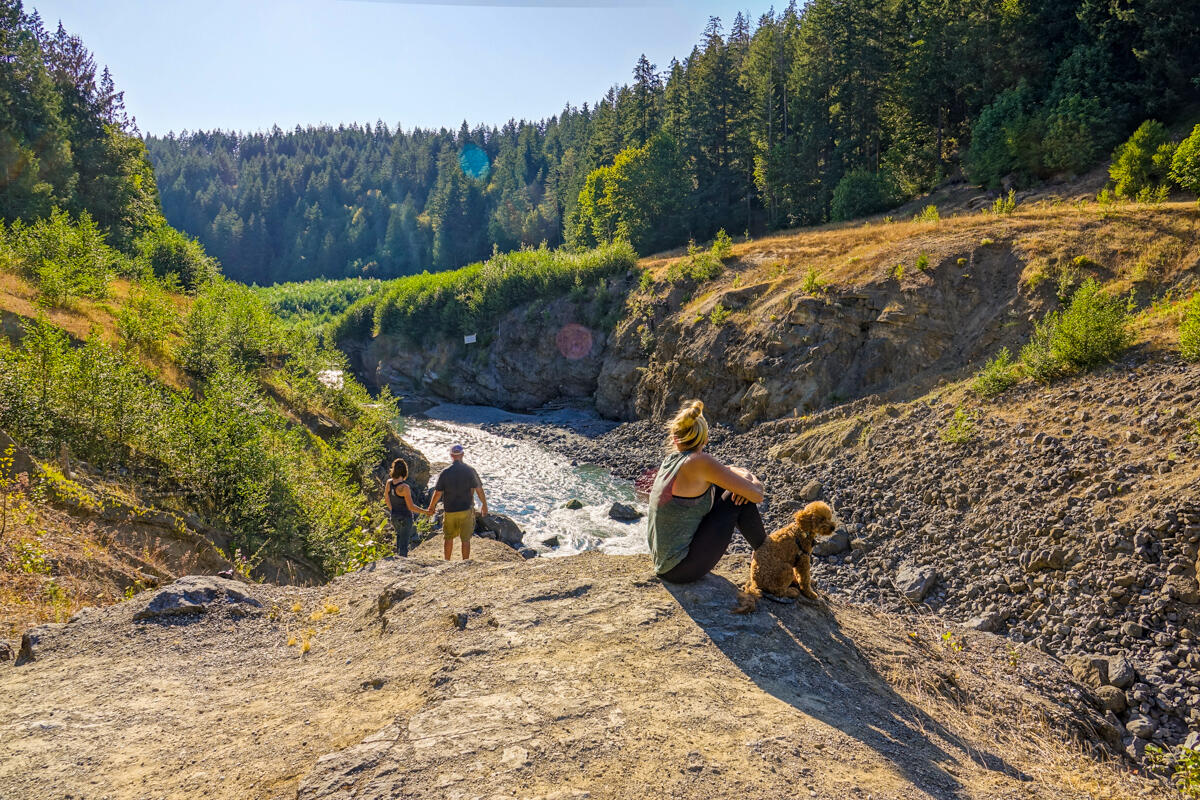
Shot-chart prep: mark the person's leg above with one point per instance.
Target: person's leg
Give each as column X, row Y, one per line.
column 468, row 530
column 404, row 535
column 448, row 546
column 713, row 536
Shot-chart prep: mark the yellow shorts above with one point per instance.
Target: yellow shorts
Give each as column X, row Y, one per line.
column 458, row 524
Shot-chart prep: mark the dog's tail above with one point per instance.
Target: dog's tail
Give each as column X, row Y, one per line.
column 748, row 598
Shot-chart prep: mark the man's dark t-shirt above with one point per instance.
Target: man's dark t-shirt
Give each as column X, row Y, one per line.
column 455, row 483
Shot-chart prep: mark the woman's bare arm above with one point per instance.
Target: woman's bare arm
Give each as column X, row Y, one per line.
column 736, row 480
column 387, row 494
column 406, row 493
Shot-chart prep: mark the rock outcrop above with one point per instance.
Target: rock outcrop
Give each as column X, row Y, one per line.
column 552, row 678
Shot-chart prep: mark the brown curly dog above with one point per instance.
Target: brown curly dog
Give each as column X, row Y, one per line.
column 785, row 558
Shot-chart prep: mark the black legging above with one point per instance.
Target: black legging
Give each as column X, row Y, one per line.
column 713, row 537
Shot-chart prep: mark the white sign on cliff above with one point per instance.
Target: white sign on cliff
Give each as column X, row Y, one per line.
column 469, row 339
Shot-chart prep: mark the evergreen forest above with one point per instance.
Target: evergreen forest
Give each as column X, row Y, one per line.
column 827, row 110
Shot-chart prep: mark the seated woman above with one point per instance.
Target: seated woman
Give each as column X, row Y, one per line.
column 691, row 523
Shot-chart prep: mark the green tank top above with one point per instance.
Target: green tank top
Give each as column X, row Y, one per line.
column 673, row 520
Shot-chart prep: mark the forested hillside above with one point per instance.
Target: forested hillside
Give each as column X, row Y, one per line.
column 835, row 109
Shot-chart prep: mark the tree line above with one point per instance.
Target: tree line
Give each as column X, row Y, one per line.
column 836, row 109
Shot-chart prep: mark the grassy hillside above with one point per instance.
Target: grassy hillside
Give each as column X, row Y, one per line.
column 205, row 405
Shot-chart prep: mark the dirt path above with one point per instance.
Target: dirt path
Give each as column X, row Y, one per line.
column 555, row 678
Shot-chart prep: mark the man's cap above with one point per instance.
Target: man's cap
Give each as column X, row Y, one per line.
column 457, row 449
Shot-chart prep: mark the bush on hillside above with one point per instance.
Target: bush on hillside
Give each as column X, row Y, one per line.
column 1006, row 139
column 147, row 319
column 1093, row 329
column 1141, row 165
column 166, row 252
column 65, row 258
column 997, row 376
column 1189, row 330
column 472, row 299
column 1185, row 164
column 228, row 324
column 862, row 192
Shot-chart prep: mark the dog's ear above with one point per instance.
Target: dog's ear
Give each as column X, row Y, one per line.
column 815, row 516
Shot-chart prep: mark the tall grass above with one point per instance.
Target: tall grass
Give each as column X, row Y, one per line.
column 472, row 299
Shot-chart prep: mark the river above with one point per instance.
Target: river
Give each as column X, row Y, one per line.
column 531, row 484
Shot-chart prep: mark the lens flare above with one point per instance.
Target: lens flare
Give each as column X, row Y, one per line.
column 574, row 341
column 474, row 162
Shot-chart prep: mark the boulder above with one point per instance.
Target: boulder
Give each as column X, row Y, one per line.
column 6, row 651
column 811, row 491
column 32, row 638
column 1037, row 560
column 550, row 541
column 623, row 513
column 505, row 529
column 839, row 542
column 195, row 594
column 915, row 582
column 987, row 622
column 573, row 504
column 1120, row 672
column 1112, row 699
column 1141, row 727
column 1089, row 670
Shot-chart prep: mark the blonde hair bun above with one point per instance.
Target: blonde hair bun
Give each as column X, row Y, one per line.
column 689, row 429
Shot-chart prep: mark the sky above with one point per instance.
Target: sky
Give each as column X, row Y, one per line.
column 249, row 64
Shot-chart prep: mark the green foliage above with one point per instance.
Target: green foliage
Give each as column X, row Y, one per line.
column 922, row 261
column 472, row 299
column 147, row 319
column 646, row 281
column 719, row 315
column 228, row 448
column 898, row 271
column 1185, row 163
column 63, row 257
column 698, row 266
column 765, row 124
column 960, row 430
column 997, row 376
column 1182, row 765
column 1093, row 329
column 1140, row 167
column 813, row 283
column 638, row 198
column 228, row 324
column 927, row 214
column 167, row 252
column 1189, row 330
column 722, row 246
column 860, row 193
column 1005, row 204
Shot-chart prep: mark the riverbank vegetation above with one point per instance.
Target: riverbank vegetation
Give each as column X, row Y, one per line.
column 472, row 299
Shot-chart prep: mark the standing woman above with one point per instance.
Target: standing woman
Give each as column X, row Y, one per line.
column 398, row 495
column 697, row 502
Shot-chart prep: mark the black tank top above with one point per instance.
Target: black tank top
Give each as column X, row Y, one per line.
column 399, row 507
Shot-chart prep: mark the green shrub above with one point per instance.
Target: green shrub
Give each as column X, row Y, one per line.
column 960, row 430
column 1006, row 138
column 922, row 262
column 1141, row 165
column 165, row 252
column 997, row 376
column 722, row 247
column 719, row 315
column 1185, row 164
column 1005, row 204
column 1075, row 134
column 1037, row 357
column 147, row 319
column 862, row 192
column 699, row 266
column 813, row 283
column 927, row 214
column 228, row 324
column 1189, row 330
column 1093, row 329
column 66, row 258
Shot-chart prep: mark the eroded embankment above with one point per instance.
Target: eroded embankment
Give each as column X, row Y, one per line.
column 563, row 678
column 804, row 320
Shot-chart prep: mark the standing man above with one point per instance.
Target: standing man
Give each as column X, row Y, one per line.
column 459, row 484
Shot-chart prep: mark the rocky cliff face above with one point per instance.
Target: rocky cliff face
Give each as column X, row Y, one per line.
column 553, row 678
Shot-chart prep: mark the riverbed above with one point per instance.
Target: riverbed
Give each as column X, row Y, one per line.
column 531, row 483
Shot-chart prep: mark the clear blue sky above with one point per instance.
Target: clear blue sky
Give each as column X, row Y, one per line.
column 249, row 64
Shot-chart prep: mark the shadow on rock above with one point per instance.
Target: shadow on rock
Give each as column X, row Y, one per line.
column 800, row 655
